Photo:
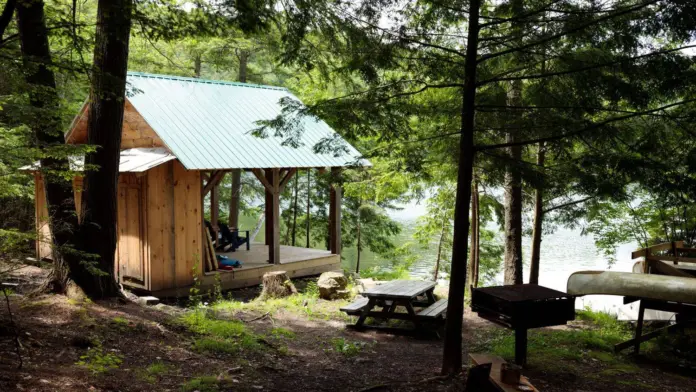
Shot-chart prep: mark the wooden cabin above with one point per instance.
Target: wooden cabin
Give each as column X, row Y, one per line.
column 180, row 137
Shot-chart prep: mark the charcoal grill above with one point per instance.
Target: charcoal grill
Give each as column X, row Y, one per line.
column 521, row 307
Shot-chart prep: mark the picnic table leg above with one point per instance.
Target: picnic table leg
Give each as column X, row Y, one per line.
column 431, row 296
column 521, row 346
column 366, row 310
column 412, row 313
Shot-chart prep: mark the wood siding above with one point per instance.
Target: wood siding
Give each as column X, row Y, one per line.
column 136, row 131
column 131, row 254
column 188, row 223
column 160, row 222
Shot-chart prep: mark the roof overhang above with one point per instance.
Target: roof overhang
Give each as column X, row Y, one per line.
column 133, row 160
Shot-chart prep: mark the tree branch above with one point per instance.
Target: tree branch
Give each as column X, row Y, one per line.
column 582, row 69
column 571, row 30
column 583, row 130
column 568, row 204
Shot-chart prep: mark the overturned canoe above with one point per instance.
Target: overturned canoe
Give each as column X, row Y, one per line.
column 660, row 287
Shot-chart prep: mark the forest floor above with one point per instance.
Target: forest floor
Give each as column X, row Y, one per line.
column 295, row 344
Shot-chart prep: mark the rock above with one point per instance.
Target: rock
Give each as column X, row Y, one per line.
column 365, row 284
column 332, row 285
column 148, row 300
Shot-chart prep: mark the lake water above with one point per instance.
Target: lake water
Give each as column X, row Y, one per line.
column 563, row 252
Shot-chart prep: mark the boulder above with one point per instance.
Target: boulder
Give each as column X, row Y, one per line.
column 332, row 285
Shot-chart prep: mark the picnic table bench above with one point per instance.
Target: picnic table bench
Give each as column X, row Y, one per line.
column 409, row 294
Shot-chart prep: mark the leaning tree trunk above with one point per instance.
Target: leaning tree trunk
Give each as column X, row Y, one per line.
column 513, row 179
column 452, row 354
column 46, row 127
column 538, row 220
column 99, row 196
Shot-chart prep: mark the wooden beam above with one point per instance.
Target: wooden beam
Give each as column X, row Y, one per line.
column 335, row 216
column 262, row 175
column 286, row 178
column 215, row 178
column 654, row 248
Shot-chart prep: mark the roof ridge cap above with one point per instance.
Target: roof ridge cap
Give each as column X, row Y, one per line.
column 204, row 81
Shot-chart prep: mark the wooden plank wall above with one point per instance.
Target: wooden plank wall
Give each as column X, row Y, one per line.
column 160, row 222
column 136, row 131
column 132, row 254
column 188, row 222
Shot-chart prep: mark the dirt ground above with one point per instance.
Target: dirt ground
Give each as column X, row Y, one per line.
column 56, row 334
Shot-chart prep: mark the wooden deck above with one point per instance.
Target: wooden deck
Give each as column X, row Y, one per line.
column 297, row 262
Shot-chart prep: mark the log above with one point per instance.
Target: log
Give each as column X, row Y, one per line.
column 277, row 284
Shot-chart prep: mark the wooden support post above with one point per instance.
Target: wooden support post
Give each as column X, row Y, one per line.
column 268, row 176
column 215, row 211
column 521, row 346
column 271, row 180
column 274, row 246
column 335, row 215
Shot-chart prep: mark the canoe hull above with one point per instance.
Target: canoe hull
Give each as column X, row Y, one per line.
column 659, row 287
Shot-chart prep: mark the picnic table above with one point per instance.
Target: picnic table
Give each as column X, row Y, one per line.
column 409, row 294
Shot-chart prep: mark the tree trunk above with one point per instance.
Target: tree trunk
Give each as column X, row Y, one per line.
column 309, row 187
column 48, row 133
column 6, row 16
column 277, row 284
column 243, row 56
column 439, row 249
column 452, row 354
column 538, row 220
column 473, row 252
column 197, row 66
column 359, row 239
column 513, row 179
column 235, row 192
column 99, row 195
column 294, row 208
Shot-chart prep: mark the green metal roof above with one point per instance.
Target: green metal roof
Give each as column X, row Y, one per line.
column 206, row 124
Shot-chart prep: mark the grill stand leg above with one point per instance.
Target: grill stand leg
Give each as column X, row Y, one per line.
column 521, row 346
column 639, row 328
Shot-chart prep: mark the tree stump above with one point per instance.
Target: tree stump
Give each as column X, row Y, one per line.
column 277, row 285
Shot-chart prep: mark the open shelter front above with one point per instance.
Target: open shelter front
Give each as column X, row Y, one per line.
column 180, row 137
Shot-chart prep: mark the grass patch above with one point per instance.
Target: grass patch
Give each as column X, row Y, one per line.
column 554, row 348
column 307, row 304
column 282, row 333
column 378, row 273
column 97, row 361
column 220, row 336
column 346, row 347
column 201, row 384
column 154, row 372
